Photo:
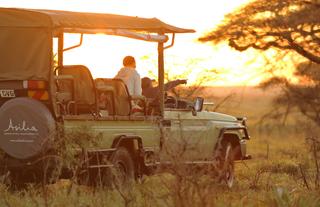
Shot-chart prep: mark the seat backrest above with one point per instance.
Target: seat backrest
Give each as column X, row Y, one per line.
column 84, row 88
column 106, row 94
column 122, row 105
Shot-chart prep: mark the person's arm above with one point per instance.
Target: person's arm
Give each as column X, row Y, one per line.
column 172, row 84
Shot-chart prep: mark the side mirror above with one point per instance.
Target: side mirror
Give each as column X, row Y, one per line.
column 198, row 105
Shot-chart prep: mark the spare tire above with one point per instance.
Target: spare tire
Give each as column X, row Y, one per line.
column 27, row 128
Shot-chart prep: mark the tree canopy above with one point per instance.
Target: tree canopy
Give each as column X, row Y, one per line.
column 263, row 24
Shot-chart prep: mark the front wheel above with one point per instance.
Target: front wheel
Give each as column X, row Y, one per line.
column 226, row 164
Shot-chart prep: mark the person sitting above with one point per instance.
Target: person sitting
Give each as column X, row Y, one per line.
column 153, row 92
column 130, row 76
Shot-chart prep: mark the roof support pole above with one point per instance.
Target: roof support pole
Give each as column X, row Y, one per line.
column 161, row 49
column 75, row 46
column 161, row 76
column 60, row 49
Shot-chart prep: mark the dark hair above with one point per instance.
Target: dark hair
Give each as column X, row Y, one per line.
column 128, row 60
column 146, row 82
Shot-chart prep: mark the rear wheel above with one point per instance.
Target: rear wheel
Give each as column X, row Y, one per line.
column 123, row 167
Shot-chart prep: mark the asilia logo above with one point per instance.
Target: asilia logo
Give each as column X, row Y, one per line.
column 20, row 129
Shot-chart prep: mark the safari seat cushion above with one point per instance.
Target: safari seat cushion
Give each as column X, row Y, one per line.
column 84, row 93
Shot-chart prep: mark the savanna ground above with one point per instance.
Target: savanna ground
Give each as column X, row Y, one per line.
column 282, row 172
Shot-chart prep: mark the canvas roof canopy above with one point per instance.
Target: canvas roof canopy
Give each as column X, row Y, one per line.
column 26, row 36
column 79, row 20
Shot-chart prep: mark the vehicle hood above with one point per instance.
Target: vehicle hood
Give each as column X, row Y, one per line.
column 203, row 115
column 216, row 116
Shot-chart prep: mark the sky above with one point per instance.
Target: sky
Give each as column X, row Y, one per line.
column 103, row 54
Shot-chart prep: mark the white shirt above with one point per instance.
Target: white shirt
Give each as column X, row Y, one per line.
column 132, row 79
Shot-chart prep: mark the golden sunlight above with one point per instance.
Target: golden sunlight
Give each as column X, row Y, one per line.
column 103, row 54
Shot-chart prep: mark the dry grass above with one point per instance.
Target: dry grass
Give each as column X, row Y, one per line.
column 282, row 164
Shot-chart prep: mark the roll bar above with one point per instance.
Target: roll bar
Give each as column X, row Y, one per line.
column 161, row 38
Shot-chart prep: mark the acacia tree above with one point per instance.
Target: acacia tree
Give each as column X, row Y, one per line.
column 288, row 26
column 262, row 24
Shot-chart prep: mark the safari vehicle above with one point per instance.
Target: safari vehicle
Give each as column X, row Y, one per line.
column 43, row 103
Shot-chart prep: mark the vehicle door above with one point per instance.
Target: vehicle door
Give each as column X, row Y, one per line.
column 189, row 135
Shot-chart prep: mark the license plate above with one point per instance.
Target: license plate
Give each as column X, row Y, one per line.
column 7, row 93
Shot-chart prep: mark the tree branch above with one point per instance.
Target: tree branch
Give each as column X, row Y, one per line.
column 300, row 50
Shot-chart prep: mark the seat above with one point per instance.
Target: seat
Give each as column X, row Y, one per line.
column 82, row 88
column 118, row 98
column 106, row 94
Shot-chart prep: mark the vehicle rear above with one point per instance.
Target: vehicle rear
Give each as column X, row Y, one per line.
column 27, row 125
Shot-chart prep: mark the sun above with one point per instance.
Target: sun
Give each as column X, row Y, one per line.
column 103, row 54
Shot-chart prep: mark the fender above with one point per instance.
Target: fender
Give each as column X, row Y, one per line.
column 137, row 154
column 118, row 139
column 234, row 128
column 242, row 144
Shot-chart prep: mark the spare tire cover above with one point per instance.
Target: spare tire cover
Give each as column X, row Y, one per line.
column 26, row 127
